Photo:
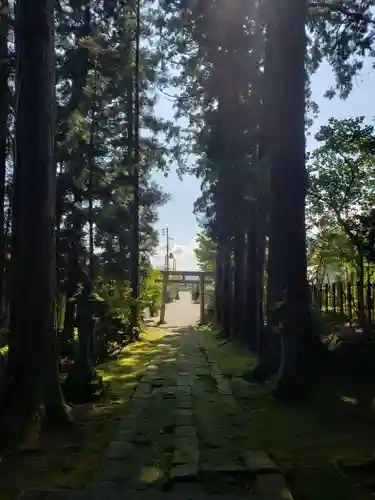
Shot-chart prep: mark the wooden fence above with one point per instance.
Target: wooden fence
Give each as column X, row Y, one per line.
column 345, row 299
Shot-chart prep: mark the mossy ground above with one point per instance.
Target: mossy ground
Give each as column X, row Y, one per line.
column 68, row 458
column 317, row 444
column 312, row 442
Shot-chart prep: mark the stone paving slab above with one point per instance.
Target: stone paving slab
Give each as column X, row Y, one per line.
column 272, row 487
column 184, row 417
column 124, row 494
column 185, row 459
column 183, row 471
column 186, row 453
column 223, row 466
column 141, row 435
column 268, row 481
column 258, row 461
column 186, row 431
column 120, row 450
column 185, row 428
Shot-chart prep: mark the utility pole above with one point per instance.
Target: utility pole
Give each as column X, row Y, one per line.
column 165, row 232
column 167, row 263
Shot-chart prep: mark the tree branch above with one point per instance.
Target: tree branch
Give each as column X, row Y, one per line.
column 337, row 6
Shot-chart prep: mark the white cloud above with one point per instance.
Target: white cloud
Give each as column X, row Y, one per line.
column 184, row 255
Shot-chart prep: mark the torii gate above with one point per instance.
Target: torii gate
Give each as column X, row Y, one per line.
column 183, row 277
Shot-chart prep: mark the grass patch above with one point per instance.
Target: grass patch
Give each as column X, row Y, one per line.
column 311, row 443
column 67, row 459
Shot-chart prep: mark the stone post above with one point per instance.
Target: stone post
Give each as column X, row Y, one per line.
column 201, row 293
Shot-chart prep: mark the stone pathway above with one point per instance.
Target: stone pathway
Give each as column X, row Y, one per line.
column 181, row 313
column 183, row 437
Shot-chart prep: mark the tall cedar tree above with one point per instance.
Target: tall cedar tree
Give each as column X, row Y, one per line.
column 288, row 298
column 4, row 110
column 32, row 377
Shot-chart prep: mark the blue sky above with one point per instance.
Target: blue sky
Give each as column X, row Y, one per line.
column 178, row 214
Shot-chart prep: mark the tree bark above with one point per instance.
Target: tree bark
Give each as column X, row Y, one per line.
column 260, row 265
column 32, row 358
column 239, row 284
column 251, row 290
column 219, row 284
column 4, row 110
column 227, row 288
column 135, row 256
column 287, row 276
column 363, row 321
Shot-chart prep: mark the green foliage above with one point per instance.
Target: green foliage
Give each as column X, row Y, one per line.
column 151, row 290
column 118, row 296
column 342, row 178
column 341, row 189
column 368, row 230
column 205, row 252
column 331, row 251
column 343, row 34
column 95, row 51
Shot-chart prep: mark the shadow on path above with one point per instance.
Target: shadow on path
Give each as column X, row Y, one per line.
column 183, row 436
